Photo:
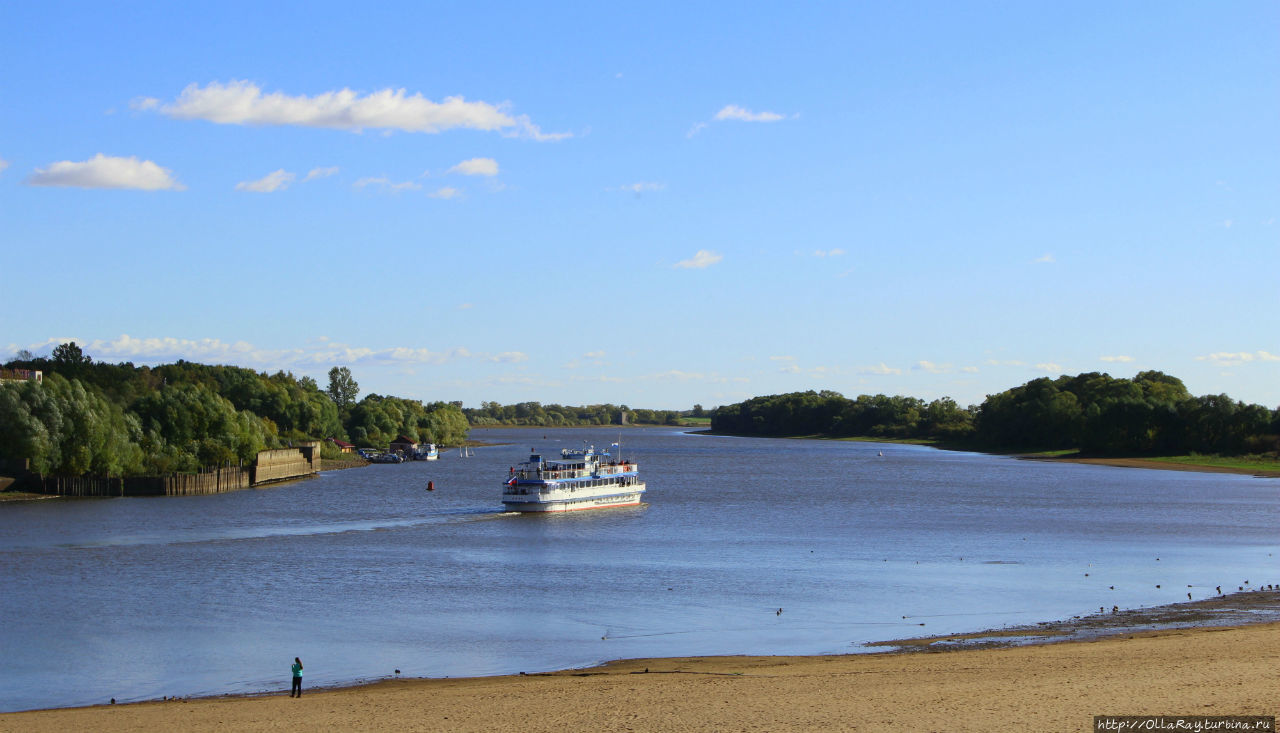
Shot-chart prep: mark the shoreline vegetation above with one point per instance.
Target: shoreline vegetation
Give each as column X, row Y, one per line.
column 1151, row 661
column 70, row 417
column 1259, row 466
column 551, row 415
column 87, row 419
column 1150, row 421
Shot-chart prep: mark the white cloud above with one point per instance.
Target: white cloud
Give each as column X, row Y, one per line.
column 3, row 164
column 476, row 167
column 1007, row 363
column 321, row 173
column 1228, row 359
column 504, row 380
column 595, row 357
column 600, row 378
column 1226, row 224
column 704, row 258
column 1049, row 367
column 734, row 112
column 828, row 252
column 526, row 129
column 641, row 187
column 102, row 171
column 881, row 369
column 276, row 181
column 385, row 184
column 1045, row 258
column 969, row 369
column 782, row 358
column 1117, row 359
column 509, row 357
column 932, row 368
column 466, row 306
column 241, row 102
column 447, row 192
column 315, row 354
column 671, row 375
column 677, row 375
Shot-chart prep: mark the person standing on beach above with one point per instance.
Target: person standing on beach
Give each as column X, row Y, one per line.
column 297, row 678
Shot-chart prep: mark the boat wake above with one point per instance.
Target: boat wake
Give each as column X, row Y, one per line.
column 242, row 534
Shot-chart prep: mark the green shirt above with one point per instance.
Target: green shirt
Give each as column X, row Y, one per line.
column 297, row 670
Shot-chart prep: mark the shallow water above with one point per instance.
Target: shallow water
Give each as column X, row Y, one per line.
column 361, row 572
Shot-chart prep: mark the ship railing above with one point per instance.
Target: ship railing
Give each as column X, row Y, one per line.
column 526, row 474
column 536, row 475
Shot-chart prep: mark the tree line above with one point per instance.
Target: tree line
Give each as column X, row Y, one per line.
column 553, row 415
column 832, row 414
column 1094, row 413
column 92, row 418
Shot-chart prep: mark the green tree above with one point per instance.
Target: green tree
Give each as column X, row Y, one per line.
column 66, row 428
column 342, row 388
column 70, row 354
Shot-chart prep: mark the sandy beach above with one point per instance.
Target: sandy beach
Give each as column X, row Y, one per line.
column 1048, row 687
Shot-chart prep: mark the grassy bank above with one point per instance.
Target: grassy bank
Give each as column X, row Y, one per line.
column 1267, row 464
column 1263, row 465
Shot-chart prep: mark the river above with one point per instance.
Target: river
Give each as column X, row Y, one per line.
column 362, row 572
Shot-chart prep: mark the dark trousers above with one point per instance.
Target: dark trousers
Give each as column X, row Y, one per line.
column 297, row 687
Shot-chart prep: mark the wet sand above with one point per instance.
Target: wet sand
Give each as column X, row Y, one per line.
column 1222, row 611
column 1188, row 666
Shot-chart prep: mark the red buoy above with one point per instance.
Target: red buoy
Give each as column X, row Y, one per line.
column 431, row 486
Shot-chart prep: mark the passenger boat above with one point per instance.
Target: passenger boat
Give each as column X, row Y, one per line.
column 580, row 479
column 427, row 452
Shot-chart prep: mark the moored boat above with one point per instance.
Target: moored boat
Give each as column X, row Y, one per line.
column 580, row 479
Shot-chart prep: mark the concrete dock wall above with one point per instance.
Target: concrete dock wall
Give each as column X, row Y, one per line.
column 279, row 464
column 285, row 463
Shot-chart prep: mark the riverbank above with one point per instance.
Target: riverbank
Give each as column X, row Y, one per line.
column 1200, row 464
column 6, row 496
column 1163, row 464
column 1202, row 669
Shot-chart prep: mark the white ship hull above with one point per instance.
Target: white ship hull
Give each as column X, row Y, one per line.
column 580, row 479
column 574, row 501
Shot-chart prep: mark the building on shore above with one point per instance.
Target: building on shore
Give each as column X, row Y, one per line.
column 22, row 375
column 403, row 445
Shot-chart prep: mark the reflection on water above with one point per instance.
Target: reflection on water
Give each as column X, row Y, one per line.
column 361, row 572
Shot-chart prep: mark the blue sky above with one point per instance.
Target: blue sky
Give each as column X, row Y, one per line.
column 655, row 204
